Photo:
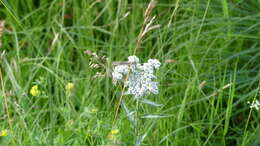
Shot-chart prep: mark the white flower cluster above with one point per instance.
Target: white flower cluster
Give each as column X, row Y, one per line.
column 255, row 104
column 138, row 78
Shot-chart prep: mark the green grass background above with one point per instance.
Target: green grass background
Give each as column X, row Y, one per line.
column 216, row 41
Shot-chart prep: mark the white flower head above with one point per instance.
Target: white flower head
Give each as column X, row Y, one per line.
column 123, row 69
column 140, row 80
column 133, row 59
column 119, row 72
column 117, row 76
column 155, row 63
column 255, row 104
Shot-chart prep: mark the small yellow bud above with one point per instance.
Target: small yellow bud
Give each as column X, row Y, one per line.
column 35, row 91
column 94, row 110
column 114, row 131
column 69, row 86
column 113, row 134
column 3, row 133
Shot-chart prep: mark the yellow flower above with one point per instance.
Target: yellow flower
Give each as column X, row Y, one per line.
column 69, row 87
column 113, row 135
column 114, row 131
column 3, row 133
column 94, row 110
column 35, row 91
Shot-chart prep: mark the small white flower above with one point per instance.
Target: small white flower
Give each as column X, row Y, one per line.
column 133, row 59
column 121, row 69
column 255, row 104
column 117, row 76
column 155, row 63
column 147, row 67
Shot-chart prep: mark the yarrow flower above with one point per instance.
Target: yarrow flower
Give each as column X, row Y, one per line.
column 133, row 59
column 255, row 104
column 119, row 71
column 140, row 80
column 35, row 91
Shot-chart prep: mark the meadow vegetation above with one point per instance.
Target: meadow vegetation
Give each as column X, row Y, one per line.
column 56, row 58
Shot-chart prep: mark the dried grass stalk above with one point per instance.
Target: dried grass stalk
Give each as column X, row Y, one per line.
column 2, row 25
column 147, row 25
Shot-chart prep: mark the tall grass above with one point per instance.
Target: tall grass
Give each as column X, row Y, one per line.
column 210, row 54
